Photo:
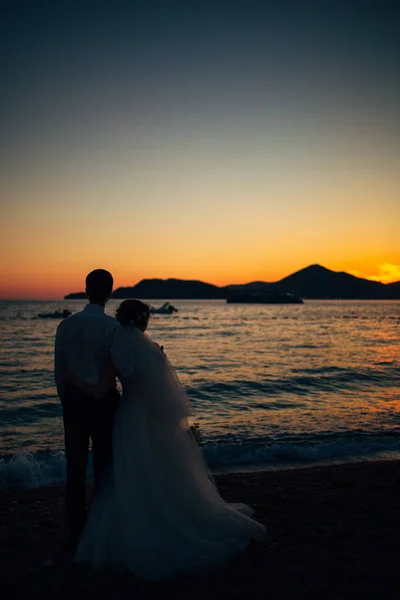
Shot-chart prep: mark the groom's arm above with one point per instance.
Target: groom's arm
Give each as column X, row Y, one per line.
column 59, row 366
column 100, row 389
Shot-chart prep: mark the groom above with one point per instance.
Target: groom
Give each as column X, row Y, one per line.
column 82, row 348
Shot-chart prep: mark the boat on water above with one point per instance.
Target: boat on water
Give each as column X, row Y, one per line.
column 57, row 314
column 264, row 299
column 165, row 309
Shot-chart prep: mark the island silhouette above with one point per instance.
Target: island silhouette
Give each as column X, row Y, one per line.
column 312, row 282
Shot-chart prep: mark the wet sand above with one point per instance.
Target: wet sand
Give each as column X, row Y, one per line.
column 333, row 533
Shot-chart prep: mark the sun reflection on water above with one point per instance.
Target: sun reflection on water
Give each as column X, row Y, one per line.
column 249, row 370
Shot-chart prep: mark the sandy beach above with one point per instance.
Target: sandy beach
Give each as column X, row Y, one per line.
column 333, row 533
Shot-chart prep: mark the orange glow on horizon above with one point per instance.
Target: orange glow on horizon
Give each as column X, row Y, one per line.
column 242, row 150
column 245, row 221
column 46, row 286
column 387, row 273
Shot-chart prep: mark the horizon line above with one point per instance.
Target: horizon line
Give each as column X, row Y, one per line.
column 352, row 274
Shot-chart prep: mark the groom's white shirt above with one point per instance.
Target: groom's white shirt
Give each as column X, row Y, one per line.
column 82, row 345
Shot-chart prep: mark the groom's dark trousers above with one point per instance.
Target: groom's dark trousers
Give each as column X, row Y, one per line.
column 85, row 418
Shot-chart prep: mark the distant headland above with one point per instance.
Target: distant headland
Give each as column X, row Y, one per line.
column 313, row 282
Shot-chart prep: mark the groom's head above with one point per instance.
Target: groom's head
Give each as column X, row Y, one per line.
column 99, row 285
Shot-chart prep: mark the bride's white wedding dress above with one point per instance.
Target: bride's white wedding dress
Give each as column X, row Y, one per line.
column 159, row 512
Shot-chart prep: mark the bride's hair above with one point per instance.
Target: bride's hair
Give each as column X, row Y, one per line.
column 133, row 312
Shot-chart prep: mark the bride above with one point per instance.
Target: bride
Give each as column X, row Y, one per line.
column 158, row 511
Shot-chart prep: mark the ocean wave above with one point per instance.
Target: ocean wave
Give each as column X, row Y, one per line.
column 32, row 413
column 300, row 453
column 28, row 470
column 302, row 382
column 33, row 470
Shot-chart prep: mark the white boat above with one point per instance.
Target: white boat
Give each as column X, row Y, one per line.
column 165, row 309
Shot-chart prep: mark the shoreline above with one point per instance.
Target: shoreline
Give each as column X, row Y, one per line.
column 247, row 468
column 268, row 467
column 332, row 533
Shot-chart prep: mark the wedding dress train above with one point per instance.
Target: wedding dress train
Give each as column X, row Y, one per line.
column 159, row 512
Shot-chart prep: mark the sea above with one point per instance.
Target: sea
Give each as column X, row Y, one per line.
column 271, row 386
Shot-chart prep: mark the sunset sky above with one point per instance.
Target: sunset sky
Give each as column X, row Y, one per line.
column 221, row 141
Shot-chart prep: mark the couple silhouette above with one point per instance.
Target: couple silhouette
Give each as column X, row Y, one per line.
column 156, row 510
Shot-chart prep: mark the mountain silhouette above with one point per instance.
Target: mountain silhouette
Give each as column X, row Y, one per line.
column 313, row 282
column 255, row 287
column 159, row 289
column 395, row 286
column 316, row 281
